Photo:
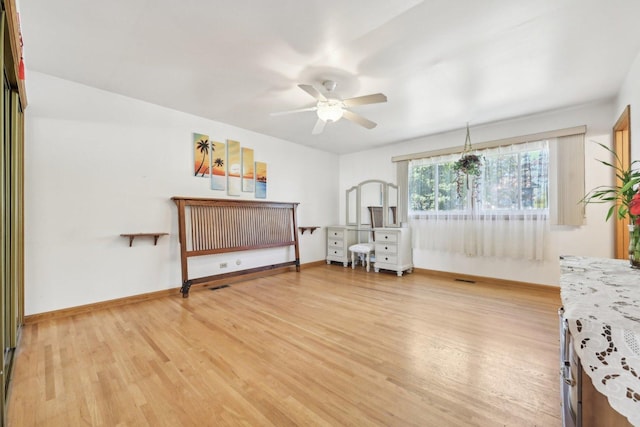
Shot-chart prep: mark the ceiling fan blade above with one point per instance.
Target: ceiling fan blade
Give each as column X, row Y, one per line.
column 357, row 118
column 366, row 99
column 299, row 110
column 319, row 127
column 313, row 92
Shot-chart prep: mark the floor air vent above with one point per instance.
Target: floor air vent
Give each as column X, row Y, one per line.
column 215, row 288
column 465, row 280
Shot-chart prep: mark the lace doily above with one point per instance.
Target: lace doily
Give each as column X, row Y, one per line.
column 601, row 300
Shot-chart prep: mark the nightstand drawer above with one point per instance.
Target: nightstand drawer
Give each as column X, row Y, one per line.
column 386, row 259
column 333, row 251
column 335, row 234
column 336, row 243
column 386, row 237
column 381, row 248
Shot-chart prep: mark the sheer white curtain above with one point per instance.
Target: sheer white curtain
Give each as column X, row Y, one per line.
column 510, row 219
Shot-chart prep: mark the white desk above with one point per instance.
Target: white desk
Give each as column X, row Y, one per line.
column 392, row 246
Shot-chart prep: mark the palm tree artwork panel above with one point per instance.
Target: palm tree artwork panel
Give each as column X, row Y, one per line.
column 248, row 175
column 261, row 180
column 218, row 166
column 202, row 156
column 234, row 167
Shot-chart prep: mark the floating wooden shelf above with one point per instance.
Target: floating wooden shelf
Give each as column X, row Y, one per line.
column 311, row 229
column 155, row 236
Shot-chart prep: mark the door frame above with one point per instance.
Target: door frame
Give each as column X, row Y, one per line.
column 622, row 148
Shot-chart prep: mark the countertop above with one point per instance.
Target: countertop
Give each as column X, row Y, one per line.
column 601, row 300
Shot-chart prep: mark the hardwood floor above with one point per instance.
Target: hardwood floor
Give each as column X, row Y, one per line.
column 327, row 346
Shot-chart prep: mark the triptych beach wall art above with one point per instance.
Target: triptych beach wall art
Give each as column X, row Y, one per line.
column 229, row 166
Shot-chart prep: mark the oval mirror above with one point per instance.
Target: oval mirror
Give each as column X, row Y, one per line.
column 392, row 203
column 352, row 206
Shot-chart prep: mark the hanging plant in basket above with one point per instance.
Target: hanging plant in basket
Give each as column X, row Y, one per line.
column 469, row 165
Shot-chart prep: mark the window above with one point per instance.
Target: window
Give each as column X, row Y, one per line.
column 514, row 178
column 509, row 216
column 521, row 193
column 432, row 188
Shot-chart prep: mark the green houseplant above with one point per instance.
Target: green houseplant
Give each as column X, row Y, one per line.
column 624, row 199
column 469, row 165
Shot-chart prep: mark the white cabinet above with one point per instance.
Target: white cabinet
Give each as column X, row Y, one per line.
column 393, row 250
column 339, row 238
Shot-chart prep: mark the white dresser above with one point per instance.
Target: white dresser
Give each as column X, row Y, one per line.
column 393, row 250
column 600, row 324
column 339, row 238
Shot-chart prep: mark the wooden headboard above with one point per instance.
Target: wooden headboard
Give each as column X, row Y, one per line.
column 214, row 226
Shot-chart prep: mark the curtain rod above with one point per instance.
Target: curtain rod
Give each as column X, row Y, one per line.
column 495, row 143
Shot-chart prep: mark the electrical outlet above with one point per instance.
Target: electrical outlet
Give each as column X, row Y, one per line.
column 223, row 265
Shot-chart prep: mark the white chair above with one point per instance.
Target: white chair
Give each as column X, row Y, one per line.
column 364, row 251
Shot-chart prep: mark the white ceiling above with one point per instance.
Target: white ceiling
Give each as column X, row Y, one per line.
column 441, row 63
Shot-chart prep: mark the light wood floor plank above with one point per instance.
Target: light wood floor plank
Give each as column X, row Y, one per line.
column 327, row 346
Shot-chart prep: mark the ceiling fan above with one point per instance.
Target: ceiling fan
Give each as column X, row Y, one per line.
column 331, row 108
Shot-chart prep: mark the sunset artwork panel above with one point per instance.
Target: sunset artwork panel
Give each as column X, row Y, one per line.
column 248, row 177
column 234, row 180
column 218, row 166
column 261, row 180
column 201, row 155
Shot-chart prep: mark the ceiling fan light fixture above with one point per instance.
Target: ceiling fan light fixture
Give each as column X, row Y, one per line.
column 330, row 108
column 330, row 111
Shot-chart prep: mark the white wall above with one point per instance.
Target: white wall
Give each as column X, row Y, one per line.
column 630, row 95
column 595, row 238
column 99, row 164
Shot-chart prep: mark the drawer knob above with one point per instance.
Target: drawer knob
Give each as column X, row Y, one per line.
column 386, row 247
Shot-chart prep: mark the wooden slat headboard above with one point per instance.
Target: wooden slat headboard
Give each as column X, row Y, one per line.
column 214, row 226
